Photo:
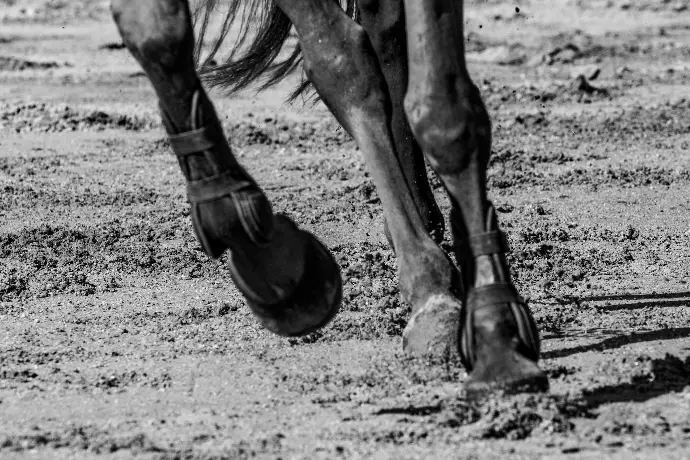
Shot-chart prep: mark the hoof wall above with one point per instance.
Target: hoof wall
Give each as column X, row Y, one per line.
column 433, row 329
column 512, row 375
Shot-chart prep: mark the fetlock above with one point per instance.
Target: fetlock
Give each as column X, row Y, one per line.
column 428, row 271
column 243, row 219
column 429, row 283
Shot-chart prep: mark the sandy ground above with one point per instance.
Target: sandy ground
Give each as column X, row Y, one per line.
column 119, row 337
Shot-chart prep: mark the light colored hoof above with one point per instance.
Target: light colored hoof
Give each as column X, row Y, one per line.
column 433, row 330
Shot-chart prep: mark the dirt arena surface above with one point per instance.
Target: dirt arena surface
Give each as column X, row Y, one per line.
column 119, row 337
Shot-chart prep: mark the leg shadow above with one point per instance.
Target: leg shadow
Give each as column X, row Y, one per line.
column 668, row 375
column 635, row 301
column 621, row 340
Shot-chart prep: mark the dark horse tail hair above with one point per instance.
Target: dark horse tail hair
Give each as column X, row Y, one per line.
column 263, row 30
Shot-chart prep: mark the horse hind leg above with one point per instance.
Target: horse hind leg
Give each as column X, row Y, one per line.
column 384, row 23
column 289, row 279
column 341, row 63
column 499, row 341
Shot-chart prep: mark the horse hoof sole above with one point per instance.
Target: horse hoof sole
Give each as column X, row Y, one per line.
column 314, row 302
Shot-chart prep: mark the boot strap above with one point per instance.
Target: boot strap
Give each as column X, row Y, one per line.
column 491, row 242
column 191, row 142
column 215, row 187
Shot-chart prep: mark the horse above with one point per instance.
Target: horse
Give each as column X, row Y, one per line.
column 393, row 73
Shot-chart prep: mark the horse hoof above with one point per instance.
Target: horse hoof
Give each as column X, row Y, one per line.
column 499, row 342
column 433, row 329
column 511, row 373
column 314, row 301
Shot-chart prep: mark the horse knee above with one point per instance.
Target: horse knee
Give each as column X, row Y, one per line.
column 155, row 30
column 451, row 124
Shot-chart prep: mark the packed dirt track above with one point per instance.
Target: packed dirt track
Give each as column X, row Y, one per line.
column 119, row 337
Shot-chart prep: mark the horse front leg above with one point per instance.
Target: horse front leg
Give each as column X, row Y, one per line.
column 288, row 277
column 342, row 64
column 499, row 339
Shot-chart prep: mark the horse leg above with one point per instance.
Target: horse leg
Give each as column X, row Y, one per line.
column 289, row 279
column 342, row 64
column 384, row 22
column 499, row 341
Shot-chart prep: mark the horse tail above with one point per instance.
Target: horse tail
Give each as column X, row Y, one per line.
column 262, row 31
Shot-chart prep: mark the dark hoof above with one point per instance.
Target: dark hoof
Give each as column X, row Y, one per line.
column 508, row 373
column 433, row 329
column 500, row 343
column 313, row 302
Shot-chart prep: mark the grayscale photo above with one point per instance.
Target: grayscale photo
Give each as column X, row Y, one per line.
column 322, row 229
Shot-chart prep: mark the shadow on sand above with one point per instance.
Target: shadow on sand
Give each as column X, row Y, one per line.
column 635, row 301
column 627, row 302
column 668, row 375
column 621, row 340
